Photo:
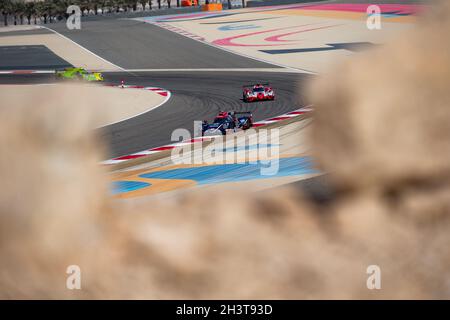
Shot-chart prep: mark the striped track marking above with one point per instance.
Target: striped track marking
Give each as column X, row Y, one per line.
column 160, row 91
column 144, row 153
column 178, row 30
column 286, row 116
column 204, row 41
column 26, row 71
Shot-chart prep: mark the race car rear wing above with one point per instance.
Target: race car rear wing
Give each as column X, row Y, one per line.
column 252, row 85
column 242, row 112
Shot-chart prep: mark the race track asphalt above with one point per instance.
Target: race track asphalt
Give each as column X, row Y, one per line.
column 198, row 96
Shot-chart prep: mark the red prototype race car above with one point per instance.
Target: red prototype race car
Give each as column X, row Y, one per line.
column 258, row 92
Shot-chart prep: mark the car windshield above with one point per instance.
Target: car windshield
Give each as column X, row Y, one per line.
column 258, row 89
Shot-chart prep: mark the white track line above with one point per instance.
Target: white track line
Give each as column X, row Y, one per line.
column 87, row 50
column 218, row 70
column 26, row 71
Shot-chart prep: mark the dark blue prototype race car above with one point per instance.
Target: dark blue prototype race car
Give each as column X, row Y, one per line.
column 228, row 121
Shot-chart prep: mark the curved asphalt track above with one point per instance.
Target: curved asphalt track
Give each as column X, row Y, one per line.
column 197, row 96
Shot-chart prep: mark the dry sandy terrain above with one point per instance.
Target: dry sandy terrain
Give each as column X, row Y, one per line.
column 109, row 104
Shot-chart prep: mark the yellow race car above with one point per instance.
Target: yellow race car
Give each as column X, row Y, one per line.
column 78, row 73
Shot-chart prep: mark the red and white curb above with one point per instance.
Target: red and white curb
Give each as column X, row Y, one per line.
column 178, row 30
column 144, row 153
column 286, row 116
column 160, row 91
column 25, row 71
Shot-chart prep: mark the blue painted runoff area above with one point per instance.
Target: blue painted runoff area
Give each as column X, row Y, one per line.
column 127, row 186
column 246, row 148
column 237, row 171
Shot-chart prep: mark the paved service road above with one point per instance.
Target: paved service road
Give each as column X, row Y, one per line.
column 30, row 57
